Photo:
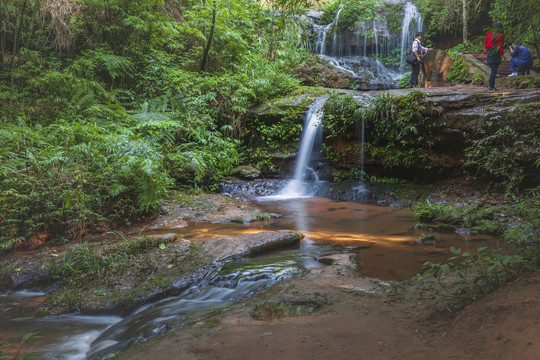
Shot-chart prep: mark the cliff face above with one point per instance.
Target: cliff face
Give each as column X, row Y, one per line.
column 463, row 118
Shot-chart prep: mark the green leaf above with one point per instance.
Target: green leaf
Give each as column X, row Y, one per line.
column 29, row 336
column 100, row 292
column 67, row 201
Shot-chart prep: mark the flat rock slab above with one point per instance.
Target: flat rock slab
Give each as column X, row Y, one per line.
column 249, row 244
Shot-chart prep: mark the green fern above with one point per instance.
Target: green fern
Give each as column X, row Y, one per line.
column 117, row 66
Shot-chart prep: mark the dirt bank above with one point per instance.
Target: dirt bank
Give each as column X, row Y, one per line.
column 351, row 323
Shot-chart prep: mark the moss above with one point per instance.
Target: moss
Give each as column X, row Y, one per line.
column 427, row 238
column 280, row 309
column 435, row 213
column 490, row 227
column 443, row 228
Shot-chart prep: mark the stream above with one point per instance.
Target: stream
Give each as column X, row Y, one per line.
column 383, row 238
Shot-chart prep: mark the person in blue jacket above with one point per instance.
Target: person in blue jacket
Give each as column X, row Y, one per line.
column 521, row 60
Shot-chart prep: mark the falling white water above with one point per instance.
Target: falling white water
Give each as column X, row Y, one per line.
column 322, row 34
column 345, row 50
column 297, row 187
column 365, row 38
column 412, row 23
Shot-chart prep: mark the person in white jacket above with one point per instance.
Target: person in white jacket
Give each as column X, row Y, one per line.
column 418, row 50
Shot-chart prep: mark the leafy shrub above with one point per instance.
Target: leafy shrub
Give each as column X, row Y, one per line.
column 477, row 274
column 400, row 128
column 61, row 178
column 341, row 115
column 499, row 154
column 459, row 71
column 435, row 213
column 404, row 80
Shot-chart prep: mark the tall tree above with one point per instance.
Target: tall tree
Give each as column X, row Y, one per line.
column 465, row 27
column 209, row 39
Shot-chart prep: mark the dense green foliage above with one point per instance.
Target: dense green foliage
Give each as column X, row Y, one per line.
column 398, row 130
column 443, row 20
column 478, row 273
column 496, row 154
column 100, row 117
column 356, row 13
column 521, row 19
column 459, row 71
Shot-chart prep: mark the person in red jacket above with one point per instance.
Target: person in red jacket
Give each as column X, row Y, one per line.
column 494, row 50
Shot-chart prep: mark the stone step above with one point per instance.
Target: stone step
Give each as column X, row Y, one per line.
column 504, row 67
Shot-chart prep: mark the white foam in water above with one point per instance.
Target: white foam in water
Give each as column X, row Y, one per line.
column 72, row 347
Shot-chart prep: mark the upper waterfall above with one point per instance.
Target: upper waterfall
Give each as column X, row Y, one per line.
column 412, row 22
column 370, row 47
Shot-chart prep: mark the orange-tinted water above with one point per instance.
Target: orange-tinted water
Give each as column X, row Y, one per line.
column 384, row 238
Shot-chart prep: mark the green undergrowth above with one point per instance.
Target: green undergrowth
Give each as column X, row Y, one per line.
column 468, row 276
column 459, row 71
column 516, row 221
column 399, row 131
column 86, row 262
column 102, row 117
column 498, row 153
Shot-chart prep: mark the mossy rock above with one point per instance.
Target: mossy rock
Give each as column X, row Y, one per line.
column 299, row 101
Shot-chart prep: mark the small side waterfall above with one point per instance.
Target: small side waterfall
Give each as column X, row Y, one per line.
column 297, row 187
column 412, row 23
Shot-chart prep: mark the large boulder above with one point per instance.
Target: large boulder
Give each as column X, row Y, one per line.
column 437, row 64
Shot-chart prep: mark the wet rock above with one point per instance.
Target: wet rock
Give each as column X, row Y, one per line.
column 18, row 272
column 246, row 172
column 164, row 271
column 337, row 259
column 227, row 247
column 250, row 189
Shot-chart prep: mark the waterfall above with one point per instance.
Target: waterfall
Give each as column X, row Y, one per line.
column 297, row 187
column 376, row 38
column 365, row 38
column 322, row 31
column 344, row 50
column 411, row 17
column 322, row 34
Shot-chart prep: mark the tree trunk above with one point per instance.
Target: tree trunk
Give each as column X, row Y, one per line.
column 210, row 37
column 3, row 31
column 18, row 30
column 465, row 27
